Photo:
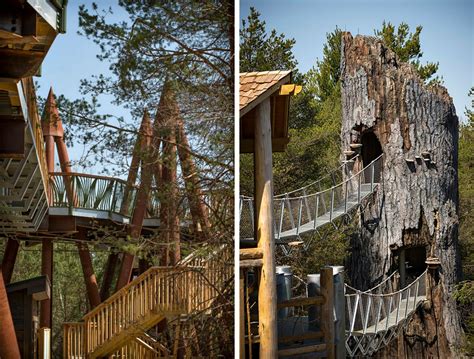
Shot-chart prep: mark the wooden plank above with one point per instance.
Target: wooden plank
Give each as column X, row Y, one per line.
column 251, row 253
column 301, row 301
column 302, row 350
column 249, row 263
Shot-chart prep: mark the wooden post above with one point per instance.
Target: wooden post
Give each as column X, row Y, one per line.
column 88, row 271
column 242, row 316
column 327, row 315
column 9, row 258
column 8, row 344
column 267, row 299
column 44, row 343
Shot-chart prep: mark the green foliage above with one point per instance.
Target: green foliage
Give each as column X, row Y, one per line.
column 407, row 46
column 323, row 79
column 464, row 294
column 69, row 299
column 262, row 52
column 466, row 192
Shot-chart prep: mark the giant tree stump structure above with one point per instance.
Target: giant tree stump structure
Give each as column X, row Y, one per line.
column 414, row 213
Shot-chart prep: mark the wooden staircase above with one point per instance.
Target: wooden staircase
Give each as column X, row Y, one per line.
column 117, row 328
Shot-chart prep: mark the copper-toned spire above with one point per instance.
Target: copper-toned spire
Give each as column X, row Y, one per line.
column 51, row 123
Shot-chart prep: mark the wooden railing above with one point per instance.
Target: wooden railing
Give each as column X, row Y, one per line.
column 35, row 125
column 159, row 292
column 73, row 340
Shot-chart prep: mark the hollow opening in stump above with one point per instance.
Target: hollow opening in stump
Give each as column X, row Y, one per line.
column 371, row 149
column 411, row 262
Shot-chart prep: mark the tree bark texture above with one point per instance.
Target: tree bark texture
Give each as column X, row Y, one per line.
column 416, row 203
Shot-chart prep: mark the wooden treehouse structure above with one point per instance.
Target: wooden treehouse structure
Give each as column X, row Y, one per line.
column 42, row 205
column 398, row 178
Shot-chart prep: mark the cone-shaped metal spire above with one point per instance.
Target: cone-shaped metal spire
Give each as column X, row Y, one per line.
column 51, row 123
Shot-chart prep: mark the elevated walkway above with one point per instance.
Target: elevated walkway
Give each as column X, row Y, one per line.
column 296, row 213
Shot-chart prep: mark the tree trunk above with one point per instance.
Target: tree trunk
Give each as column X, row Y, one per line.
column 414, row 212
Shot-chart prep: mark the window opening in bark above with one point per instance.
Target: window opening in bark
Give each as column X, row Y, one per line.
column 371, row 149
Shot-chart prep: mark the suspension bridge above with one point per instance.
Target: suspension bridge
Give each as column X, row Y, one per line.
column 308, row 208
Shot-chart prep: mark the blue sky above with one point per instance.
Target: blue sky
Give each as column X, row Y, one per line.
column 72, row 57
column 447, row 36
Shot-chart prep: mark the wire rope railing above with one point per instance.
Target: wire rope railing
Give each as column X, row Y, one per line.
column 373, row 317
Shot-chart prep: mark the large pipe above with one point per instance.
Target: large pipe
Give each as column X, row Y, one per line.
column 88, row 271
column 284, row 276
column 9, row 258
column 314, row 311
column 141, row 202
column 108, row 275
column 8, row 343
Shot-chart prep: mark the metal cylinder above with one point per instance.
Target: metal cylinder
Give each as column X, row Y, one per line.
column 314, row 312
column 286, row 277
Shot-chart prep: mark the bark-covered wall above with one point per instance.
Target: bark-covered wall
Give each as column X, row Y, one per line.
column 416, row 203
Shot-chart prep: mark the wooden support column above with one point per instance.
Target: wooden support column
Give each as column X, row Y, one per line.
column 9, row 259
column 88, row 271
column 47, row 269
column 8, row 344
column 109, row 272
column 141, row 201
column 267, row 299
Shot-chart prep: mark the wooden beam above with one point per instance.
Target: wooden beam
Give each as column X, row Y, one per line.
column 267, row 298
column 250, row 263
column 251, row 253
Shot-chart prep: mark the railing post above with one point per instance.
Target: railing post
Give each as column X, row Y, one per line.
column 332, row 204
column 327, row 290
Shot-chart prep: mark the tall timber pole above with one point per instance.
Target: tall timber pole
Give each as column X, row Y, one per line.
column 267, row 303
